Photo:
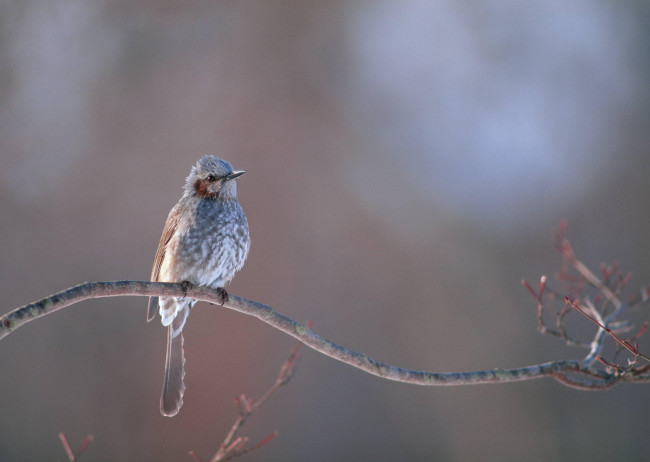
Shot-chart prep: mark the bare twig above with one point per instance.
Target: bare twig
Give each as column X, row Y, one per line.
column 66, row 446
column 233, row 447
column 559, row 330
column 578, row 282
column 72, row 456
column 634, row 350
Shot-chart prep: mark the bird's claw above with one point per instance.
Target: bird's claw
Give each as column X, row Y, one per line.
column 223, row 294
column 185, row 286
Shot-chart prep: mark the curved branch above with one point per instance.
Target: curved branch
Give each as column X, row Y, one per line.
column 569, row 373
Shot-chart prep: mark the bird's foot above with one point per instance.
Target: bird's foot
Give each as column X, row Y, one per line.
column 223, row 294
column 185, row 286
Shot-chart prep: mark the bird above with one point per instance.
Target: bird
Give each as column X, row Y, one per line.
column 205, row 241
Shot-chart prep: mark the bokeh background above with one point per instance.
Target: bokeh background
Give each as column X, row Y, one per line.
column 407, row 164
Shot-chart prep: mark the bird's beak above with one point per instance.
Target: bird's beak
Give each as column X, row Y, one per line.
column 235, row 174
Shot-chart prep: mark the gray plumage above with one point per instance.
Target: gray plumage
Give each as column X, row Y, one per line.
column 205, row 242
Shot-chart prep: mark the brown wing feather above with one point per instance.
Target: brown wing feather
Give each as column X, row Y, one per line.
column 168, row 231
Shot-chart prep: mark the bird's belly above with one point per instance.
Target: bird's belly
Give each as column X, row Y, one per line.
column 207, row 262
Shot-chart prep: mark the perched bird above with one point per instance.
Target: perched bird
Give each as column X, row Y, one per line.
column 205, row 242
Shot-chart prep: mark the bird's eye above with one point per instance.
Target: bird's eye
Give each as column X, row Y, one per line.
column 212, row 178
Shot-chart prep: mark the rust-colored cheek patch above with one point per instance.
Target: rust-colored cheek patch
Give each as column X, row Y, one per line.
column 201, row 187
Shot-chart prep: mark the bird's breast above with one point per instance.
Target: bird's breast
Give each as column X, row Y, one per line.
column 213, row 247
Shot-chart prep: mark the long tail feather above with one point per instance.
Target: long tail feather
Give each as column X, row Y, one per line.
column 173, row 385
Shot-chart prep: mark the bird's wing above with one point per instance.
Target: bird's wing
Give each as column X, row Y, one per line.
column 170, row 228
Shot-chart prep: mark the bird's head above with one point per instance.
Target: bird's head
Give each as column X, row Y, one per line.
column 213, row 178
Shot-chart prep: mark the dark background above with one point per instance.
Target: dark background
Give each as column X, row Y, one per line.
column 407, row 163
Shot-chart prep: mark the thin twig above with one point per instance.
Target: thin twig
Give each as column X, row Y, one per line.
column 72, row 456
column 578, row 280
column 559, row 330
column 66, row 447
column 229, row 448
column 622, row 342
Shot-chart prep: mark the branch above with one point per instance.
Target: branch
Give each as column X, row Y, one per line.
column 599, row 301
column 570, row 373
column 72, row 456
column 231, row 447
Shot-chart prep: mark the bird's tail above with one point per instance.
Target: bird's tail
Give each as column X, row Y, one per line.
column 174, row 311
column 173, row 385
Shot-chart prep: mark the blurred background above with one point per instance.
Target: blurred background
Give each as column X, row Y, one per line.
column 407, row 164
